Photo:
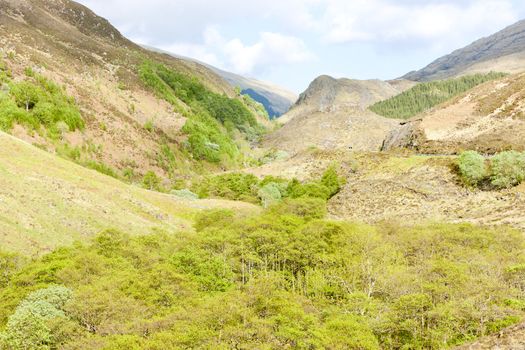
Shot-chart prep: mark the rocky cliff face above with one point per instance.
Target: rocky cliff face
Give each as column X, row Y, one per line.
column 503, row 51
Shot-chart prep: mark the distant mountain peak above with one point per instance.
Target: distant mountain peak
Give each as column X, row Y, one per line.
column 503, row 51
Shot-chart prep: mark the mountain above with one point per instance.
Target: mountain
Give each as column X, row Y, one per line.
column 503, row 51
column 275, row 99
column 132, row 109
column 333, row 113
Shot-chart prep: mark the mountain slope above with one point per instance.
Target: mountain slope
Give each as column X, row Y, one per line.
column 503, row 51
column 47, row 202
column 128, row 127
column 488, row 118
column 275, row 99
column 333, row 114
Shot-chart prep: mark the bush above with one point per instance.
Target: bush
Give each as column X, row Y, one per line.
column 29, row 327
column 233, row 186
column 270, row 194
column 151, row 181
column 100, row 167
column 472, row 168
column 184, row 193
column 39, row 102
column 508, row 169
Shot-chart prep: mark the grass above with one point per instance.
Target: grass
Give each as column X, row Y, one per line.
column 56, row 204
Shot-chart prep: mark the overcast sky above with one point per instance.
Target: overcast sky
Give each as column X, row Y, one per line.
column 290, row 42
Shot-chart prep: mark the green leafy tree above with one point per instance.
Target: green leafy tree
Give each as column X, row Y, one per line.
column 508, row 169
column 472, row 168
column 30, row 327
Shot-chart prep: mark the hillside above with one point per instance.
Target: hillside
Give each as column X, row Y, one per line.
column 275, row 99
column 47, row 202
column 488, row 118
column 333, row 114
column 503, row 51
column 128, row 124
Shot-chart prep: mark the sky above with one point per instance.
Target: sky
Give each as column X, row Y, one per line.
column 291, row 42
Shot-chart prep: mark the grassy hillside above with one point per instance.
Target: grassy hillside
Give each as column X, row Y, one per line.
column 46, row 201
column 424, row 96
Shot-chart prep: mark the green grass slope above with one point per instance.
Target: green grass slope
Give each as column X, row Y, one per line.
column 47, row 201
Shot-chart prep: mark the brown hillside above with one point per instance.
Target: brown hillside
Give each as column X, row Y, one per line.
column 69, row 44
column 332, row 114
column 488, row 118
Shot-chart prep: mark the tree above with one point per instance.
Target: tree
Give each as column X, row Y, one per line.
column 472, row 168
column 508, row 169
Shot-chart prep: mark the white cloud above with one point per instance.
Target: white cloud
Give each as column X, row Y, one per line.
column 233, row 54
column 387, row 20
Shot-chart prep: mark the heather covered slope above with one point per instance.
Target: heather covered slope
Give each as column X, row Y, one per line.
column 488, row 118
column 129, row 126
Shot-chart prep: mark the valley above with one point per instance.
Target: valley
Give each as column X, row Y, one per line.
column 151, row 201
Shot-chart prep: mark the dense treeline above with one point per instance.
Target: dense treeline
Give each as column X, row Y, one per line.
column 284, row 279
column 211, row 117
column 427, row 95
column 268, row 191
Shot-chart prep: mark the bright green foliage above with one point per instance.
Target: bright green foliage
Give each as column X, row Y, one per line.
column 211, row 116
column 427, row 95
column 233, row 186
column 38, row 102
column 283, row 279
column 508, row 169
column 326, row 188
column 270, row 190
column 472, row 168
column 31, row 326
column 100, row 167
column 504, row 170
column 151, row 181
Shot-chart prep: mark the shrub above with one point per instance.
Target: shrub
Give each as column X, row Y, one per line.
column 101, row 168
column 508, row 169
column 472, row 168
column 307, row 208
column 151, row 181
column 269, row 194
column 233, row 186
column 184, row 193
column 37, row 102
column 29, row 327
